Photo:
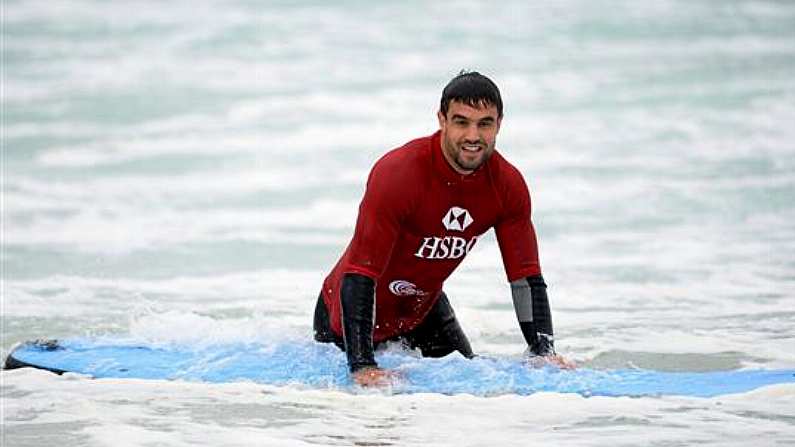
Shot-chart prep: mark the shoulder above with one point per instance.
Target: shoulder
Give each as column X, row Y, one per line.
column 409, row 162
column 508, row 179
column 398, row 178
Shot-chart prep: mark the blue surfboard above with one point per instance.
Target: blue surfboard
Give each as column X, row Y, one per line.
column 315, row 365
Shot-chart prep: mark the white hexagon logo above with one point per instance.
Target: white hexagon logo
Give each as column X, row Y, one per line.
column 457, row 219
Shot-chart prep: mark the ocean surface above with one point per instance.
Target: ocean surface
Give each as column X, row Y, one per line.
column 188, row 172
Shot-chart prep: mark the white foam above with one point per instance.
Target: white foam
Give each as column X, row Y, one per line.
column 246, row 414
column 278, row 292
column 107, row 215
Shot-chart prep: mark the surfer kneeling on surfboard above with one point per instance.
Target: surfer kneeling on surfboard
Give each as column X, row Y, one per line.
column 424, row 208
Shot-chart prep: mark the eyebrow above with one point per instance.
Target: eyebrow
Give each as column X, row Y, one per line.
column 462, row 117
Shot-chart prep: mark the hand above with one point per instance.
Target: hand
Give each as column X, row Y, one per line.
column 556, row 360
column 375, row 377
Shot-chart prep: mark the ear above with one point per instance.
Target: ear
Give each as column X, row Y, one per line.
column 442, row 120
column 499, row 123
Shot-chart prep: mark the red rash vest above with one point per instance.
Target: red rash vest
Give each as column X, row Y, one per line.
column 418, row 220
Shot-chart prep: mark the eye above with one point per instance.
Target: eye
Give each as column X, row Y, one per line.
column 485, row 124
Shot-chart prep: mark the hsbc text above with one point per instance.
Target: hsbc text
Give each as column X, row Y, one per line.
column 448, row 247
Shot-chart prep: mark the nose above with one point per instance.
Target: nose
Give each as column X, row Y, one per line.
column 472, row 135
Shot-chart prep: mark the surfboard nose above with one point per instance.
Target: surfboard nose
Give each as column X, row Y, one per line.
column 12, row 362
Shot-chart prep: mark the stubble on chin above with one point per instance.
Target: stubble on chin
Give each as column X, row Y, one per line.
column 473, row 165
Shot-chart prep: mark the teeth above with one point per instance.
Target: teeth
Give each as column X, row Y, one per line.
column 471, row 148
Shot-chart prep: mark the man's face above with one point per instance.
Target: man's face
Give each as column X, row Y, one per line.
column 468, row 134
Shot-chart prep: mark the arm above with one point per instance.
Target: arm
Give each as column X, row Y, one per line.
column 532, row 310
column 381, row 212
column 358, row 310
column 519, row 248
column 358, row 315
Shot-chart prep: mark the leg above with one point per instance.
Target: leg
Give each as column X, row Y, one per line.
column 440, row 334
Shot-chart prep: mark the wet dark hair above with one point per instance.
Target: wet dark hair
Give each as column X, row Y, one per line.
column 472, row 89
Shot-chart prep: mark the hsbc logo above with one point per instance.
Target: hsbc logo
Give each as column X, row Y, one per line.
column 448, row 247
column 457, row 219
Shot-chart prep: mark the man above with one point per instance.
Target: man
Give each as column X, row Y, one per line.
column 425, row 206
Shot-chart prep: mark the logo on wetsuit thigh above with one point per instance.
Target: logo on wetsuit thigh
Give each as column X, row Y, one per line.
column 405, row 288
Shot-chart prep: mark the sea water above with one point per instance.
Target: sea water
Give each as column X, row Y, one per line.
column 188, row 172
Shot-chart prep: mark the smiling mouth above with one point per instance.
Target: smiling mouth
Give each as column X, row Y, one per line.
column 471, row 148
